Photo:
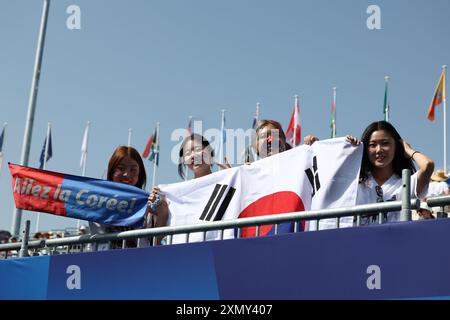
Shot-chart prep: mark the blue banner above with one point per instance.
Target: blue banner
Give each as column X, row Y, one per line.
column 78, row 197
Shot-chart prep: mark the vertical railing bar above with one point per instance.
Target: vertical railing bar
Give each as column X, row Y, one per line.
column 380, row 218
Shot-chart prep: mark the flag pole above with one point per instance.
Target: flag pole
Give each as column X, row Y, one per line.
column 190, row 126
column 295, row 120
column 130, row 133
column 44, row 166
column 258, row 105
column 156, row 155
column 186, row 176
column 5, row 125
column 334, row 116
column 386, row 103
column 83, row 168
column 222, row 138
column 17, row 215
column 444, row 70
column 84, row 156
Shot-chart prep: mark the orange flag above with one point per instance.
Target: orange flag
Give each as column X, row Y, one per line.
column 439, row 96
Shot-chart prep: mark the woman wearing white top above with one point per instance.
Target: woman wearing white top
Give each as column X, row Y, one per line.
column 197, row 155
column 385, row 155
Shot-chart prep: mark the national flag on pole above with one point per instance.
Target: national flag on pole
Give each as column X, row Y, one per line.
column 294, row 130
column 151, row 151
column 45, row 157
column 386, row 101
column 78, row 197
column 84, row 146
column 2, row 137
column 439, row 96
column 189, row 129
column 324, row 175
column 333, row 115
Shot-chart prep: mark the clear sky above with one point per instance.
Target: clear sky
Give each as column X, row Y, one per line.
column 137, row 62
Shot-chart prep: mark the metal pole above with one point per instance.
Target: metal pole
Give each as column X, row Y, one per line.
column 156, row 155
column 17, row 215
column 221, row 158
column 444, row 67
column 334, row 117
column 38, row 219
column 130, row 133
column 84, row 150
column 83, row 168
column 24, row 248
column 294, row 144
column 405, row 214
column 386, row 100
column 2, row 151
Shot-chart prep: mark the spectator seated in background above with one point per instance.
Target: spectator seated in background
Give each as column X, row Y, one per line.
column 438, row 184
column 438, row 187
column 425, row 212
column 4, row 236
column 83, row 230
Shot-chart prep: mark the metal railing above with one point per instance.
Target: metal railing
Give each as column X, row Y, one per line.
column 404, row 206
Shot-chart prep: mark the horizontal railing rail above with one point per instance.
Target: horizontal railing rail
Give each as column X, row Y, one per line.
column 359, row 210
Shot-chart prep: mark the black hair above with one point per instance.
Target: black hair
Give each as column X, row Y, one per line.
column 400, row 162
column 192, row 137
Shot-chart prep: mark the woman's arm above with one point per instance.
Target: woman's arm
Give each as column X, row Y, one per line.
column 426, row 167
column 159, row 216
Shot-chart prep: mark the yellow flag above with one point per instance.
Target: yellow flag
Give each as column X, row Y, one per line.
column 439, row 96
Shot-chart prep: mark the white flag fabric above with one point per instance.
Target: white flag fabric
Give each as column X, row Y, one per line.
column 84, row 146
column 324, row 175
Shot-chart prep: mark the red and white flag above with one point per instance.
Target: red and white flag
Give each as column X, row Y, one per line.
column 324, row 175
column 293, row 133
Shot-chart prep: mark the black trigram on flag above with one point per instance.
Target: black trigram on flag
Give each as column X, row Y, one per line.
column 216, row 197
column 313, row 177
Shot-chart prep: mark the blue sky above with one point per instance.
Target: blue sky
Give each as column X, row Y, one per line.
column 137, row 62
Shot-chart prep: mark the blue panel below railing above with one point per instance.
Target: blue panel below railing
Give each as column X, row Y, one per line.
column 393, row 261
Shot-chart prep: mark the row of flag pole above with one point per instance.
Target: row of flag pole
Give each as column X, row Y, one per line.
column 293, row 132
